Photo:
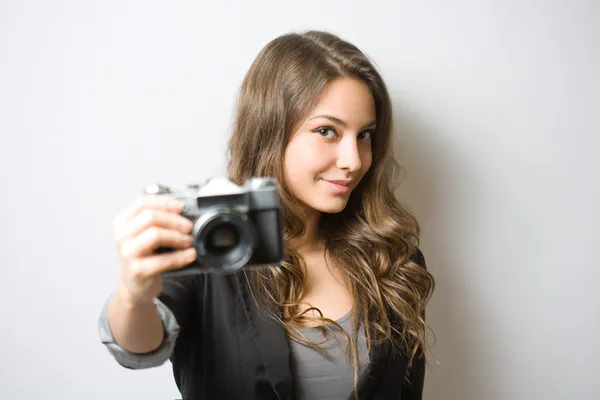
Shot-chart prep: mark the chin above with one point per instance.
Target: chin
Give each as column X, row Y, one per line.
column 331, row 206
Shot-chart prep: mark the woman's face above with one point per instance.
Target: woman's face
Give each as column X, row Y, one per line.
column 331, row 151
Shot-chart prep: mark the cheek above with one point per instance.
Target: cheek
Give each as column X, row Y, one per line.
column 295, row 172
column 303, row 162
column 302, row 168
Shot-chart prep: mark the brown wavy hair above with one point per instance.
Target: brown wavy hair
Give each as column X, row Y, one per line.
column 374, row 239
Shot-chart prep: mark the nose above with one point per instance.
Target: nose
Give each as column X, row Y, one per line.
column 348, row 155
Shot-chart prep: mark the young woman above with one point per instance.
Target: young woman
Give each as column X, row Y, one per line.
column 344, row 316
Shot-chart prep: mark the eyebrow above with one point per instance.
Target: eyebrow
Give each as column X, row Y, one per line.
column 341, row 122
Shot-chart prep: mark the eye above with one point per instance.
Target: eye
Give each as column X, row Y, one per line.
column 326, row 132
column 366, row 135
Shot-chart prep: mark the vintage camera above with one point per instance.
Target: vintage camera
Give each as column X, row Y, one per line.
column 234, row 226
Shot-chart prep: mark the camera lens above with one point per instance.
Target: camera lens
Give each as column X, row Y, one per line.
column 222, row 239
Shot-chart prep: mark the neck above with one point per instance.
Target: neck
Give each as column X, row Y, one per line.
column 310, row 239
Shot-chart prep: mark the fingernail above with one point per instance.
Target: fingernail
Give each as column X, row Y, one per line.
column 187, row 225
column 190, row 254
column 175, row 204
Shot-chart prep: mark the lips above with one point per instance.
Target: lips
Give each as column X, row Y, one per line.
column 339, row 182
column 338, row 186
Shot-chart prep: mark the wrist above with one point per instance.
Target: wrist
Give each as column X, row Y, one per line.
column 130, row 302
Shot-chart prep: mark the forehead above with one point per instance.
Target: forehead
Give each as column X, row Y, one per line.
column 348, row 99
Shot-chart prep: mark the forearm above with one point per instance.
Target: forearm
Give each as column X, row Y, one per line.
column 136, row 328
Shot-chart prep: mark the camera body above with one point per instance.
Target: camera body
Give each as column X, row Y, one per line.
column 234, row 226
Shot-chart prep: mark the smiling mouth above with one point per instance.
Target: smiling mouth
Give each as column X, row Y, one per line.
column 338, row 186
column 339, row 182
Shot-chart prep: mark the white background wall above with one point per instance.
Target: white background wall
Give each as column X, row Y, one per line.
column 99, row 98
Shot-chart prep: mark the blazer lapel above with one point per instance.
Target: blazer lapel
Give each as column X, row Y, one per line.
column 272, row 343
column 379, row 361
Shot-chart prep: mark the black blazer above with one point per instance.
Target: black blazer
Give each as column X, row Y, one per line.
column 226, row 350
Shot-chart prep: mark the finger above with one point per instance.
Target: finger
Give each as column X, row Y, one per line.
column 150, row 202
column 152, row 238
column 156, row 264
column 152, row 217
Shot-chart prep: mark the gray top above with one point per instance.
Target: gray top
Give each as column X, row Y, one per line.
column 327, row 376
